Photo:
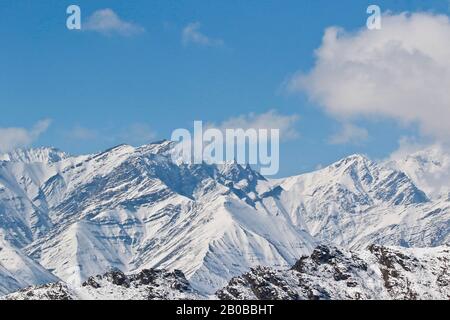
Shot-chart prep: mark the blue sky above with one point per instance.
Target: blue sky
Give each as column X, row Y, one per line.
column 98, row 88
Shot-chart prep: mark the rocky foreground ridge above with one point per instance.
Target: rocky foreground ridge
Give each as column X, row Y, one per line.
column 378, row 272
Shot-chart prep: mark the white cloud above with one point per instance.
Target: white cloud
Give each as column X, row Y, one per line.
column 268, row 120
column 407, row 146
column 427, row 165
column 82, row 133
column 349, row 133
column 135, row 134
column 106, row 21
column 401, row 72
column 191, row 34
column 12, row 138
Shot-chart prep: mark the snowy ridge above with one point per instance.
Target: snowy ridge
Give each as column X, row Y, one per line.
column 45, row 155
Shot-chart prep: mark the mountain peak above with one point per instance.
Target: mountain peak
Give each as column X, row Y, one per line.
column 353, row 159
column 161, row 147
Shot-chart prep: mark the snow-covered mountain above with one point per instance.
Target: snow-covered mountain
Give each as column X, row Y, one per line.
column 134, row 209
column 329, row 273
column 45, row 155
column 356, row 202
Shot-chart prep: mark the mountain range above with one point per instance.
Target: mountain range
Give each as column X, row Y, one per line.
column 64, row 219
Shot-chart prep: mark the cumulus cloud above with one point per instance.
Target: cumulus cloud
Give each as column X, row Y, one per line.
column 406, row 147
column 350, row 133
column 268, row 120
column 192, row 34
column 428, row 165
column 106, row 21
column 400, row 72
column 135, row 134
column 82, row 133
column 12, row 138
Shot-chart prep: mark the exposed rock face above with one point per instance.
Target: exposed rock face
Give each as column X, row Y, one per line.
column 331, row 273
column 50, row 291
column 149, row 284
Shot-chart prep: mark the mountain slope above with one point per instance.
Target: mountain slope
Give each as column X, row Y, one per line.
column 19, row 271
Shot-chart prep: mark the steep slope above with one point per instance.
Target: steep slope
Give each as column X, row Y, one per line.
column 356, row 202
column 19, row 271
column 23, row 216
column 330, row 273
column 8, row 283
